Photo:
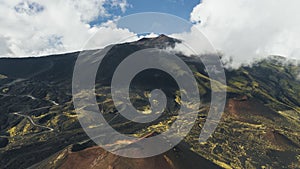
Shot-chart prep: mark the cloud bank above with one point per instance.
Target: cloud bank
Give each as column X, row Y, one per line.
column 245, row 30
column 39, row 27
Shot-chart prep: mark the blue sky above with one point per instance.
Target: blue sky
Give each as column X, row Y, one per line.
column 180, row 8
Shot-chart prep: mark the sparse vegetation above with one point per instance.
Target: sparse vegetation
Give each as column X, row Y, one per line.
column 260, row 127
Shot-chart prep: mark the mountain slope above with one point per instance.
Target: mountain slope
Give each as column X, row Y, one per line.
column 259, row 128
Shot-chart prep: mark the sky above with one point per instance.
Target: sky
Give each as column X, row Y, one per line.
column 242, row 29
column 180, row 8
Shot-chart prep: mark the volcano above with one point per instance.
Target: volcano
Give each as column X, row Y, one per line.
column 39, row 128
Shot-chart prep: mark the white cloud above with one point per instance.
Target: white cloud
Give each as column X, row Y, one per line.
column 120, row 3
column 193, row 42
column 30, row 8
column 38, row 27
column 108, row 33
column 251, row 29
column 151, row 35
column 4, row 46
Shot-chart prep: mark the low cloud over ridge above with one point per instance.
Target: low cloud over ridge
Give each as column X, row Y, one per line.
column 246, row 30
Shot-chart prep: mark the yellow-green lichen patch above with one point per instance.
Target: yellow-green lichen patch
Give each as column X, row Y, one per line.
column 3, row 77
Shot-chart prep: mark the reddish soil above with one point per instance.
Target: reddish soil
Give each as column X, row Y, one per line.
column 278, row 139
column 244, row 108
column 97, row 158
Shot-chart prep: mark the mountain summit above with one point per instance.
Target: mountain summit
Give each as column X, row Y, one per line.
column 39, row 126
column 161, row 41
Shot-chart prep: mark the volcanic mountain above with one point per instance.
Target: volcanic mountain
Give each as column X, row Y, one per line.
column 39, row 128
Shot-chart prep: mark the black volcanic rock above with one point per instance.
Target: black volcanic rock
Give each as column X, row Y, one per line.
column 162, row 41
column 259, row 127
column 3, row 142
